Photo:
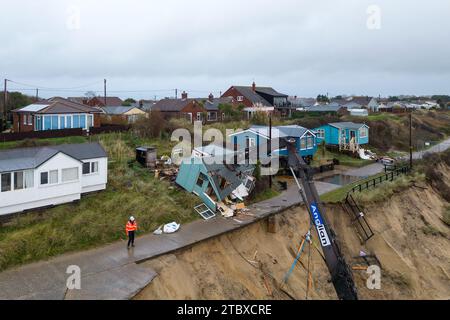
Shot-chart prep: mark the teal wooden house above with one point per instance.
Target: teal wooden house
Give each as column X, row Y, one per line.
column 306, row 142
column 212, row 182
column 346, row 135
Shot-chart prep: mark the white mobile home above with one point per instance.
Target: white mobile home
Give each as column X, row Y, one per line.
column 38, row 177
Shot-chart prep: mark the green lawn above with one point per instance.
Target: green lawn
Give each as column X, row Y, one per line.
column 98, row 218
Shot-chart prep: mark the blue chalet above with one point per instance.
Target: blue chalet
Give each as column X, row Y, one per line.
column 346, row 135
column 212, row 182
column 259, row 135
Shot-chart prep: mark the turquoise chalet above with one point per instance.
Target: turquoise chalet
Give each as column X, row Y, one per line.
column 343, row 134
column 213, row 181
column 259, row 135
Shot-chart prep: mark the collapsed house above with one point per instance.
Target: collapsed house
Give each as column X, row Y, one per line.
column 217, row 184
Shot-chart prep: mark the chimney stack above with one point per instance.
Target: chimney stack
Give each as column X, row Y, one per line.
column 254, row 86
column 211, row 97
column 184, row 95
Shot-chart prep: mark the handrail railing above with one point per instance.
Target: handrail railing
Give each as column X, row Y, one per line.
column 388, row 176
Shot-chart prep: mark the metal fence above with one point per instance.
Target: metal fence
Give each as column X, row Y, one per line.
column 388, row 176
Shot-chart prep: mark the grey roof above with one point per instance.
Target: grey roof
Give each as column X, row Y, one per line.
column 57, row 105
column 251, row 95
column 270, row 91
column 347, row 125
column 332, row 107
column 31, row 158
column 171, row 104
column 281, row 131
column 213, row 105
column 115, row 110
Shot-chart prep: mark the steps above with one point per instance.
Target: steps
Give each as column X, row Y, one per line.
column 358, row 218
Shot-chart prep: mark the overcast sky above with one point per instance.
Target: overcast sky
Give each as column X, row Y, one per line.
column 298, row 47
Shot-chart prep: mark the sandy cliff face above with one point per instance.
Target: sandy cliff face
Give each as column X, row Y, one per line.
column 411, row 241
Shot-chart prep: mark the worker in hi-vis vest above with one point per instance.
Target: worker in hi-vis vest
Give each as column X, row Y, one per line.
column 130, row 229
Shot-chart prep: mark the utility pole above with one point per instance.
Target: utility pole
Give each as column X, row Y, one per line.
column 176, row 93
column 37, row 94
column 104, row 90
column 270, row 147
column 5, row 101
column 410, row 141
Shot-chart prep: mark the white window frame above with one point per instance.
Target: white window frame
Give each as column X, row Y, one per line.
column 49, row 183
column 11, row 177
column 363, row 132
column 199, row 116
column 303, row 139
column 210, row 113
column 69, row 181
column 25, row 119
column 321, row 133
column 30, row 120
column 240, row 98
column 25, row 185
column 92, row 164
column 308, row 138
column 251, row 142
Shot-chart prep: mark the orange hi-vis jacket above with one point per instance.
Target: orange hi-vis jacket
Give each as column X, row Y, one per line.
column 130, row 227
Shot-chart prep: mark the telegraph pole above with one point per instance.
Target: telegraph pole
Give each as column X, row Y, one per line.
column 104, row 90
column 176, row 93
column 270, row 148
column 37, row 94
column 410, row 141
column 5, row 100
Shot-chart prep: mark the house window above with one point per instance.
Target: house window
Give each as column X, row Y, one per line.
column 251, row 142
column 62, row 122
column 47, row 123
column 44, row 178
column 6, row 182
column 199, row 116
column 25, row 119
column 212, row 116
column 303, row 144
column 363, row 132
column 240, row 98
column 200, row 180
column 189, row 117
column 90, row 167
column 49, row 177
column 90, row 121
column 86, row 168
column 69, row 122
column 38, row 120
column 310, row 142
column 321, row 133
column 69, row 174
column 55, row 123
column 23, row 179
column 76, row 121
column 83, row 121
column 30, row 120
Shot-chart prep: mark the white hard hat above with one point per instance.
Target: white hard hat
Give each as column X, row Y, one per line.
column 132, row 218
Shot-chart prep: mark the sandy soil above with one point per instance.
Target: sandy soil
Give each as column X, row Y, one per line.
column 251, row 263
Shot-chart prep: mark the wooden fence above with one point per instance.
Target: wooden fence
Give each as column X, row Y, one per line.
column 47, row 134
column 16, row 136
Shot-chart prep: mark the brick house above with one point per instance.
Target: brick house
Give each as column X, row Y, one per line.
column 54, row 114
column 262, row 99
column 100, row 102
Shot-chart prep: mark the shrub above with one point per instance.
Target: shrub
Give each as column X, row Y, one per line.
column 151, row 126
